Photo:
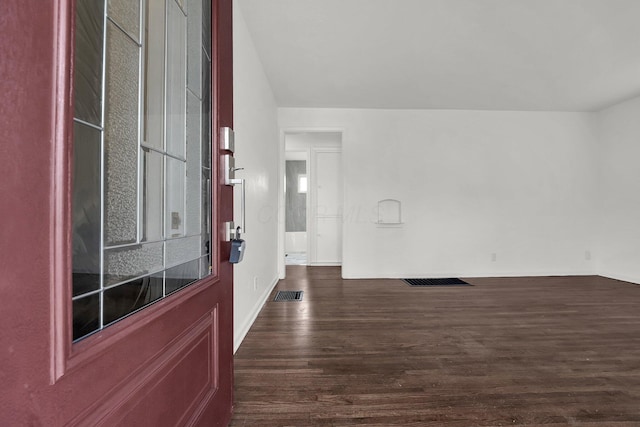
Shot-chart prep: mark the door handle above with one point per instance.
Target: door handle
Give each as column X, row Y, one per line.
column 229, row 178
column 243, row 211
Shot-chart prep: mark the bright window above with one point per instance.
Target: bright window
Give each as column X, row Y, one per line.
column 142, row 155
column 302, row 183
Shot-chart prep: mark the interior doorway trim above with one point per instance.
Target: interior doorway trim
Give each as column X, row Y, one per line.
column 281, row 194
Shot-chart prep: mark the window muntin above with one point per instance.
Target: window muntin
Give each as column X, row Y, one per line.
column 142, row 156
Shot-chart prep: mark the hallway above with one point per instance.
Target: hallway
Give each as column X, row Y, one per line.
column 506, row 351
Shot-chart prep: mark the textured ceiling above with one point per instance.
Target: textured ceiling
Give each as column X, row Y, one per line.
column 556, row 55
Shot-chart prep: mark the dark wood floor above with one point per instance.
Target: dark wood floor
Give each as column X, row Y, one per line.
column 507, row 351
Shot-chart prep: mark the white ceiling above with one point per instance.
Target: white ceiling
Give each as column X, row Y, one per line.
column 556, row 55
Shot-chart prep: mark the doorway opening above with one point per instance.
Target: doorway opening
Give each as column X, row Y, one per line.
column 313, row 198
column 296, row 185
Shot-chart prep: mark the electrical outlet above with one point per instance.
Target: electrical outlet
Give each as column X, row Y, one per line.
column 494, row 257
column 175, row 220
column 587, row 255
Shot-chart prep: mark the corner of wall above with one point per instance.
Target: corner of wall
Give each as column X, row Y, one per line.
column 618, row 131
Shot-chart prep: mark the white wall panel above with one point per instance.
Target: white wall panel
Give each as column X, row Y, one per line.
column 328, row 180
column 296, row 241
column 328, row 240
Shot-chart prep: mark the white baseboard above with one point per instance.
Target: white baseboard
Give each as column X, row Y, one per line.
column 244, row 330
column 524, row 273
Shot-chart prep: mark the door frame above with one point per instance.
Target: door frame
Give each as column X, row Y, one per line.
column 281, row 196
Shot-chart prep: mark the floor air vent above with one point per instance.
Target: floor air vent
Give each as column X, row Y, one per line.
column 288, row 296
column 436, row 282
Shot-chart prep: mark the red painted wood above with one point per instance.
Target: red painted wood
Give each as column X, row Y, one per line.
column 224, row 56
column 27, row 116
column 44, row 379
column 223, row 116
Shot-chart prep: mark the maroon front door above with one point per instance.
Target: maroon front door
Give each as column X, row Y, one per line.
column 168, row 364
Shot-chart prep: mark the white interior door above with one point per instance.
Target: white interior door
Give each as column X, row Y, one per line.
column 326, row 206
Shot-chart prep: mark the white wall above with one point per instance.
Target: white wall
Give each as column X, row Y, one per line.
column 619, row 201
column 519, row 185
column 257, row 150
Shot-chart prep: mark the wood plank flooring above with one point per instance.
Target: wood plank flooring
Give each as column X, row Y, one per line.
column 506, row 351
